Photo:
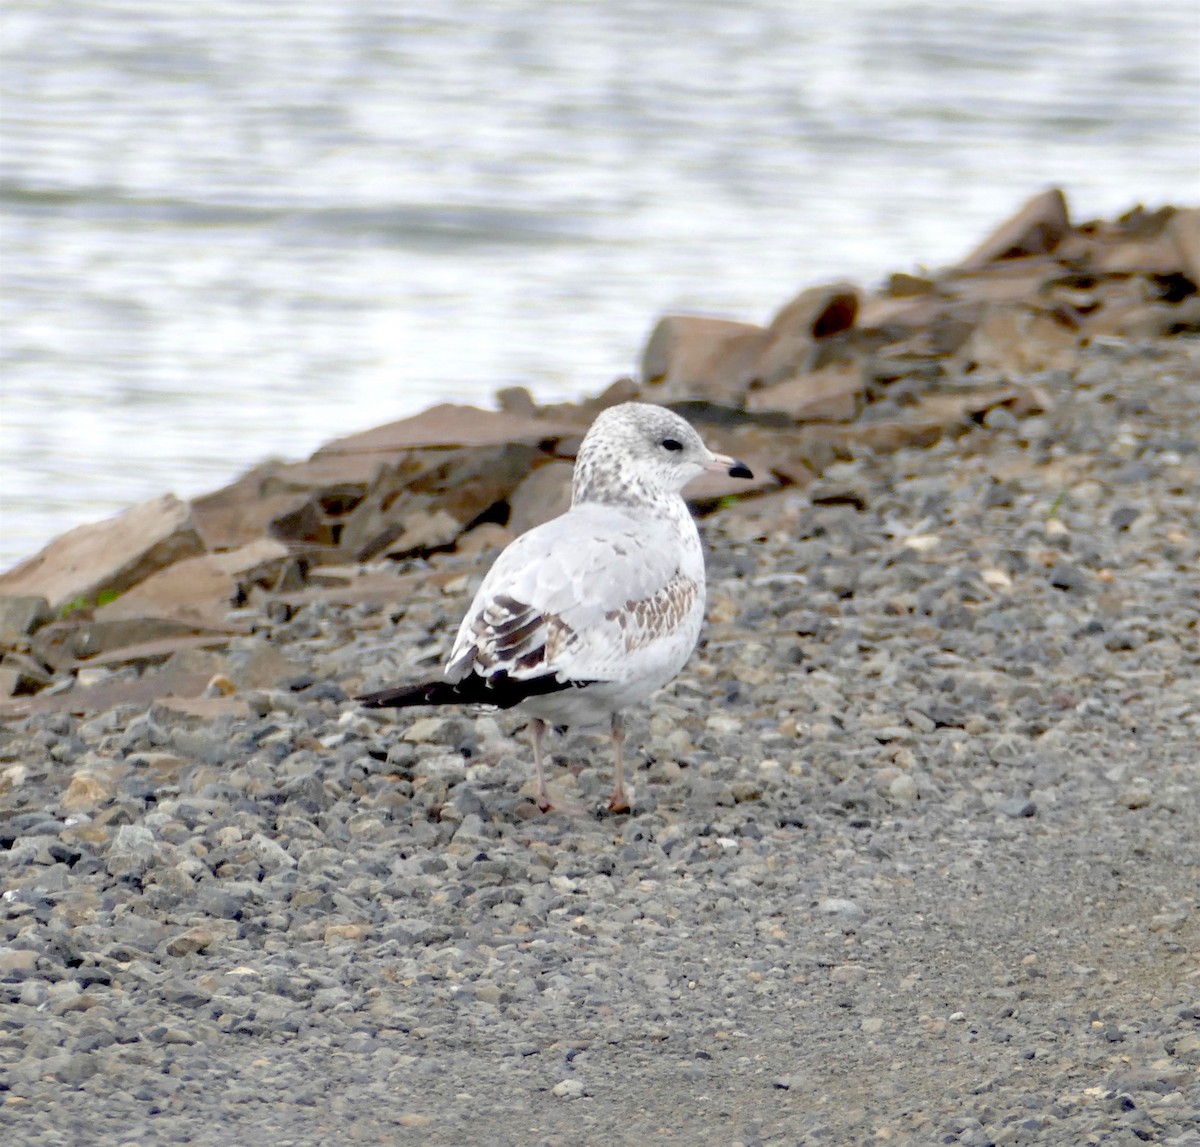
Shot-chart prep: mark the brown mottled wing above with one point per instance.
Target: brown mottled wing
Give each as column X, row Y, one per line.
column 643, row 622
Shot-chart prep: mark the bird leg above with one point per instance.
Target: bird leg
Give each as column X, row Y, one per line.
column 619, row 801
column 544, row 801
column 543, row 795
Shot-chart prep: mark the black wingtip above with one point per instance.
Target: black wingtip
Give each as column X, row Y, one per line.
column 499, row 690
column 740, row 470
column 426, row 693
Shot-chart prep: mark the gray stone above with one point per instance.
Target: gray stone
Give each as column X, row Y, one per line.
column 837, row 906
column 270, row 854
column 1017, row 807
column 20, row 615
column 132, row 851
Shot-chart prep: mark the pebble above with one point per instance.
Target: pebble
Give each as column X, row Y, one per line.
column 1018, row 807
column 835, row 906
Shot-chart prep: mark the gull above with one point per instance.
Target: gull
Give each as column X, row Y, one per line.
column 593, row 611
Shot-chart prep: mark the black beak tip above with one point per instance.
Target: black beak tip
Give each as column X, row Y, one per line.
column 740, row 470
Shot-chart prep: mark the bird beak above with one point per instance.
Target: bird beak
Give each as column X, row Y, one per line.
column 723, row 464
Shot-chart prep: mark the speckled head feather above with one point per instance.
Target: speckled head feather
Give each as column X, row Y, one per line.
column 638, row 454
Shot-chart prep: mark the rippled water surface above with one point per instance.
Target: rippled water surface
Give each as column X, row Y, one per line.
column 233, row 230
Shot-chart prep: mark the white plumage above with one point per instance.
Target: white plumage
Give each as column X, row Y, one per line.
column 593, row 611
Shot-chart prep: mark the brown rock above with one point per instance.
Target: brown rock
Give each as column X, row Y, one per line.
column 959, row 410
column 206, row 708
column 444, row 426
column 108, row 557
column 64, row 644
column 791, row 453
column 884, row 313
column 1035, row 230
column 1157, row 256
column 885, row 437
column 87, row 832
column 194, row 591
column 516, row 400
column 901, row 285
column 1184, row 231
column 375, row 587
column 88, row 790
column 405, row 514
column 200, row 591
column 343, row 933
column 257, row 561
column 341, row 475
column 814, row 315
column 21, row 674
column 101, row 698
column 690, row 356
column 483, row 538
column 166, row 766
column 20, row 615
column 306, row 524
column 321, row 520
column 943, row 334
column 148, row 652
column 1013, row 281
column 193, row 940
column 17, row 962
column 542, row 495
column 260, row 666
column 1140, row 320
column 827, row 395
column 932, row 416
column 818, row 312
column 582, row 414
column 241, row 512
column 1015, row 340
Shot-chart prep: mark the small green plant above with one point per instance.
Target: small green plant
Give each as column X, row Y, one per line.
column 1056, row 505
column 78, row 603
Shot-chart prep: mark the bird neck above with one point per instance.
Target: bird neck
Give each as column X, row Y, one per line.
column 633, row 498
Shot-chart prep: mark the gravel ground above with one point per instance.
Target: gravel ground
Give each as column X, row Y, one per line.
column 914, row 857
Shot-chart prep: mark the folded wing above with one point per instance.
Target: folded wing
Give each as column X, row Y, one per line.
column 584, row 597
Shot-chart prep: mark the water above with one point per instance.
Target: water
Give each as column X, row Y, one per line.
column 233, row 230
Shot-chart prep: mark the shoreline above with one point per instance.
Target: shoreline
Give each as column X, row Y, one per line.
column 836, row 371
column 912, row 856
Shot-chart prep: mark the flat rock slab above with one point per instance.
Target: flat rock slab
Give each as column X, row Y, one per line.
column 109, row 695
column 377, row 587
column 449, row 425
column 149, row 652
column 199, row 590
column 108, row 557
column 1036, row 229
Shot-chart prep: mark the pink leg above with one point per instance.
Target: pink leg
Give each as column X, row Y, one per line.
column 539, row 731
column 544, row 801
column 619, row 801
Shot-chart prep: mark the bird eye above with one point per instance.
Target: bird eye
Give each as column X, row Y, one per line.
column 672, row 444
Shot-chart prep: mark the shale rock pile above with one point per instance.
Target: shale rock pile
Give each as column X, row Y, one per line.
column 836, row 371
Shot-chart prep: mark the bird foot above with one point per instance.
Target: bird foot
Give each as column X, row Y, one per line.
column 549, row 802
column 619, row 801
